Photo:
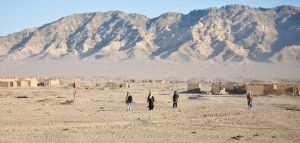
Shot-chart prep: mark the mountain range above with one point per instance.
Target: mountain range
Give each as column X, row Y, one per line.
column 233, row 33
column 234, row 42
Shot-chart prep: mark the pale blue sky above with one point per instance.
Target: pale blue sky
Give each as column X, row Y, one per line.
column 17, row 15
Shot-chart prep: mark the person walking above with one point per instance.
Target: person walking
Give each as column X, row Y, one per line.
column 150, row 100
column 249, row 98
column 74, row 94
column 128, row 101
column 175, row 99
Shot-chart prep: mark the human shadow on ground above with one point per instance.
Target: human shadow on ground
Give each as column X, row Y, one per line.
column 195, row 97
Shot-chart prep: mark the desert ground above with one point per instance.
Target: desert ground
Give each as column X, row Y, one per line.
column 154, row 69
column 100, row 116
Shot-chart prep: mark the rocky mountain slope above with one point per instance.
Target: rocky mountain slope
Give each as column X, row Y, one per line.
column 231, row 33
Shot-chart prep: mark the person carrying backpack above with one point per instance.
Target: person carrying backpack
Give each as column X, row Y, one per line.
column 249, row 98
column 128, row 101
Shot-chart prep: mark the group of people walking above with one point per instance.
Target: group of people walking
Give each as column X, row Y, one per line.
column 150, row 100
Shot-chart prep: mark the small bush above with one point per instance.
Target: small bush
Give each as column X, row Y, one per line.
column 274, row 137
column 47, row 113
column 68, row 102
column 37, row 109
column 66, row 129
column 256, row 135
column 238, row 137
column 194, row 132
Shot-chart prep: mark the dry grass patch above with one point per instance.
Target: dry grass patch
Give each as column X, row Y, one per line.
column 238, row 137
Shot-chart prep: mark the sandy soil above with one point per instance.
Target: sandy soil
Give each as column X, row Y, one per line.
column 101, row 116
column 154, row 69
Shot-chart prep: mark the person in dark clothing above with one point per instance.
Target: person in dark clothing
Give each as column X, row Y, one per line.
column 150, row 100
column 249, row 98
column 175, row 99
column 128, row 101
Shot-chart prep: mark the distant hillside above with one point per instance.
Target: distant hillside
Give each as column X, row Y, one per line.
column 231, row 33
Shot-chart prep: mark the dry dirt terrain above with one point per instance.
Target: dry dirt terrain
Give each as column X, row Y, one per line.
column 101, row 116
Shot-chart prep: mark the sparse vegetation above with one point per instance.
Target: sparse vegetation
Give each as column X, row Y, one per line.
column 215, row 120
column 22, row 97
column 68, row 102
column 238, row 137
column 37, row 109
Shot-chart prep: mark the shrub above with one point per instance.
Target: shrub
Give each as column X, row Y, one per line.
column 238, row 137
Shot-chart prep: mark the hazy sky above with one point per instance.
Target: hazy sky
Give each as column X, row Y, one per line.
column 17, row 15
